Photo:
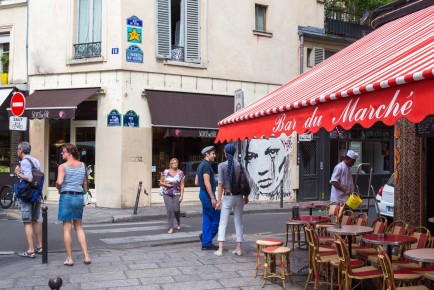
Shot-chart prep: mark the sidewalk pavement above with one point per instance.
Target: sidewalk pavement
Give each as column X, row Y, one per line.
column 178, row 266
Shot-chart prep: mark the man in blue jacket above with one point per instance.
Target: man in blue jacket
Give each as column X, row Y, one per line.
column 206, row 181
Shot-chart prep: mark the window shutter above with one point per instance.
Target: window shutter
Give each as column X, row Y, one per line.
column 163, row 28
column 192, row 31
column 318, row 55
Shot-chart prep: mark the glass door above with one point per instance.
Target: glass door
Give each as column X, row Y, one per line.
column 84, row 137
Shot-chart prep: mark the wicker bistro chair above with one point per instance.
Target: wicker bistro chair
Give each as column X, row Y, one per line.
column 346, row 219
column 335, row 211
column 270, row 254
column 260, row 244
column 364, row 251
column 389, row 275
column 319, row 262
column 423, row 236
column 348, row 271
column 336, row 265
column 295, row 227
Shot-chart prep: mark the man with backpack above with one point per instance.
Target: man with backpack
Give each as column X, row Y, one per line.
column 30, row 210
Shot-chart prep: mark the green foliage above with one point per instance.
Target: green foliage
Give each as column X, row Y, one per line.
column 355, row 7
column 5, row 62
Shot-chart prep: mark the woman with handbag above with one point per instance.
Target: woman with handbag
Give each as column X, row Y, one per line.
column 71, row 181
column 172, row 183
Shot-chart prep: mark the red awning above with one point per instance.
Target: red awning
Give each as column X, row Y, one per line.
column 385, row 76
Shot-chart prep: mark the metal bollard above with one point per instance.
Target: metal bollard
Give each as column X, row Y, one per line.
column 55, row 283
column 44, row 235
column 137, row 197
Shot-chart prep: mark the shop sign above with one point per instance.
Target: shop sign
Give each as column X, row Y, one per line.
column 131, row 119
column 305, row 137
column 17, row 123
column 207, row 133
column 114, row 118
column 134, row 54
column 238, row 100
column 134, row 21
column 51, row 114
column 425, row 128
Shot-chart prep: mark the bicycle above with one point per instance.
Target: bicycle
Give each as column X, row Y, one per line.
column 7, row 196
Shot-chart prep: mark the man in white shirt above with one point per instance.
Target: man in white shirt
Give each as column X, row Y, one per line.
column 342, row 179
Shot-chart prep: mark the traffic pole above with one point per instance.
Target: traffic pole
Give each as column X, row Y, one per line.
column 44, row 235
column 137, row 197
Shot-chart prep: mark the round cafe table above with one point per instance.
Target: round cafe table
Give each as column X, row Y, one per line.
column 389, row 240
column 350, row 230
column 425, row 255
column 311, row 206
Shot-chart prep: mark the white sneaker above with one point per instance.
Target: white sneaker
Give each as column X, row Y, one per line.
column 217, row 253
column 237, row 253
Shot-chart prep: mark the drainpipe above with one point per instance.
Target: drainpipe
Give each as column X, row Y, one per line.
column 27, row 46
column 301, row 37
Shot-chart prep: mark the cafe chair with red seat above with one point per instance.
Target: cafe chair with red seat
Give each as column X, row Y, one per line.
column 423, row 236
column 389, row 279
column 335, row 211
column 319, row 262
column 379, row 225
column 349, row 272
column 346, row 220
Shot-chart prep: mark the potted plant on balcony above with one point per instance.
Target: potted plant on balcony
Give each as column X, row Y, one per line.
column 5, row 68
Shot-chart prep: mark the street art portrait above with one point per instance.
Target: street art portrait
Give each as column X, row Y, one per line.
column 267, row 165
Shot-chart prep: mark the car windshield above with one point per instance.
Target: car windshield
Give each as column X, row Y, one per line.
column 390, row 182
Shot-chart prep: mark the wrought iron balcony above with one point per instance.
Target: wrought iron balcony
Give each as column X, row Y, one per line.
column 345, row 25
column 85, row 50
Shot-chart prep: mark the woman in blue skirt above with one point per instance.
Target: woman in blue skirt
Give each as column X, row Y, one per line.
column 71, row 180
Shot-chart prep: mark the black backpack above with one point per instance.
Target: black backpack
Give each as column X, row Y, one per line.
column 30, row 191
column 243, row 183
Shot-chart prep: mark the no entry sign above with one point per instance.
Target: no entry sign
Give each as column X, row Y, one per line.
column 18, row 104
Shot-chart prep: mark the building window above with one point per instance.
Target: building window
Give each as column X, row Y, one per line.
column 316, row 55
column 88, row 43
column 260, row 18
column 4, row 50
column 178, row 30
column 166, row 144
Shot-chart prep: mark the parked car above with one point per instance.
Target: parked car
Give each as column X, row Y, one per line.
column 386, row 198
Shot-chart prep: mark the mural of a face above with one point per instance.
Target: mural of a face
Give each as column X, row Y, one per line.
column 266, row 162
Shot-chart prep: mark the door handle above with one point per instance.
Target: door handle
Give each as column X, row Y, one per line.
column 321, row 165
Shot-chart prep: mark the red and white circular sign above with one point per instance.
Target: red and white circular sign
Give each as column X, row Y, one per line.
column 18, row 104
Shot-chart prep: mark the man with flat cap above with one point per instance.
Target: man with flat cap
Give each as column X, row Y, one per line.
column 342, row 179
column 206, row 181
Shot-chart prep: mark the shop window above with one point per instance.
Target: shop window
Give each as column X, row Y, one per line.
column 59, row 135
column 88, row 43
column 178, row 30
column 187, row 150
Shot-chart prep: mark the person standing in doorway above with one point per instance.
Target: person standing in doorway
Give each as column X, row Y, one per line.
column 172, row 181
column 71, row 180
column 30, row 211
column 228, row 189
column 210, row 215
column 342, row 179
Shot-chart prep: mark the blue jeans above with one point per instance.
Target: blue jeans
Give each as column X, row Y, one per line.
column 210, row 219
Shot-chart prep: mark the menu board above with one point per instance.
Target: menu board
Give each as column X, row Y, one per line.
column 425, row 128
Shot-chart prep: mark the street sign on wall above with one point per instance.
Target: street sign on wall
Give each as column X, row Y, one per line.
column 17, row 123
column 18, row 104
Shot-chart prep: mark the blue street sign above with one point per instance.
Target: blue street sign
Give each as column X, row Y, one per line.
column 114, row 118
column 134, row 21
column 134, row 54
column 131, row 119
column 115, row 50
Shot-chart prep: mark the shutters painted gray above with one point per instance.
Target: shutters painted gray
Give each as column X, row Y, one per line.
column 192, row 31
column 163, row 28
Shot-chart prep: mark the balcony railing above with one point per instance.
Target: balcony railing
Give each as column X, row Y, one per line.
column 85, row 50
column 346, row 25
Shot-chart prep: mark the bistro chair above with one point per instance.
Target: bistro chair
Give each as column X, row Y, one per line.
column 319, row 262
column 361, row 219
column 270, row 254
column 423, row 236
column 389, row 275
column 379, row 225
column 346, row 220
column 349, row 272
column 335, row 211
column 260, row 244
column 336, row 265
column 295, row 227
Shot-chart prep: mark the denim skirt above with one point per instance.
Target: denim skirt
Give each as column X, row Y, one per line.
column 70, row 207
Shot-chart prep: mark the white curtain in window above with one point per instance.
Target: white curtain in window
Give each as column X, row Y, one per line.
column 179, row 29
column 97, row 20
column 83, row 21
